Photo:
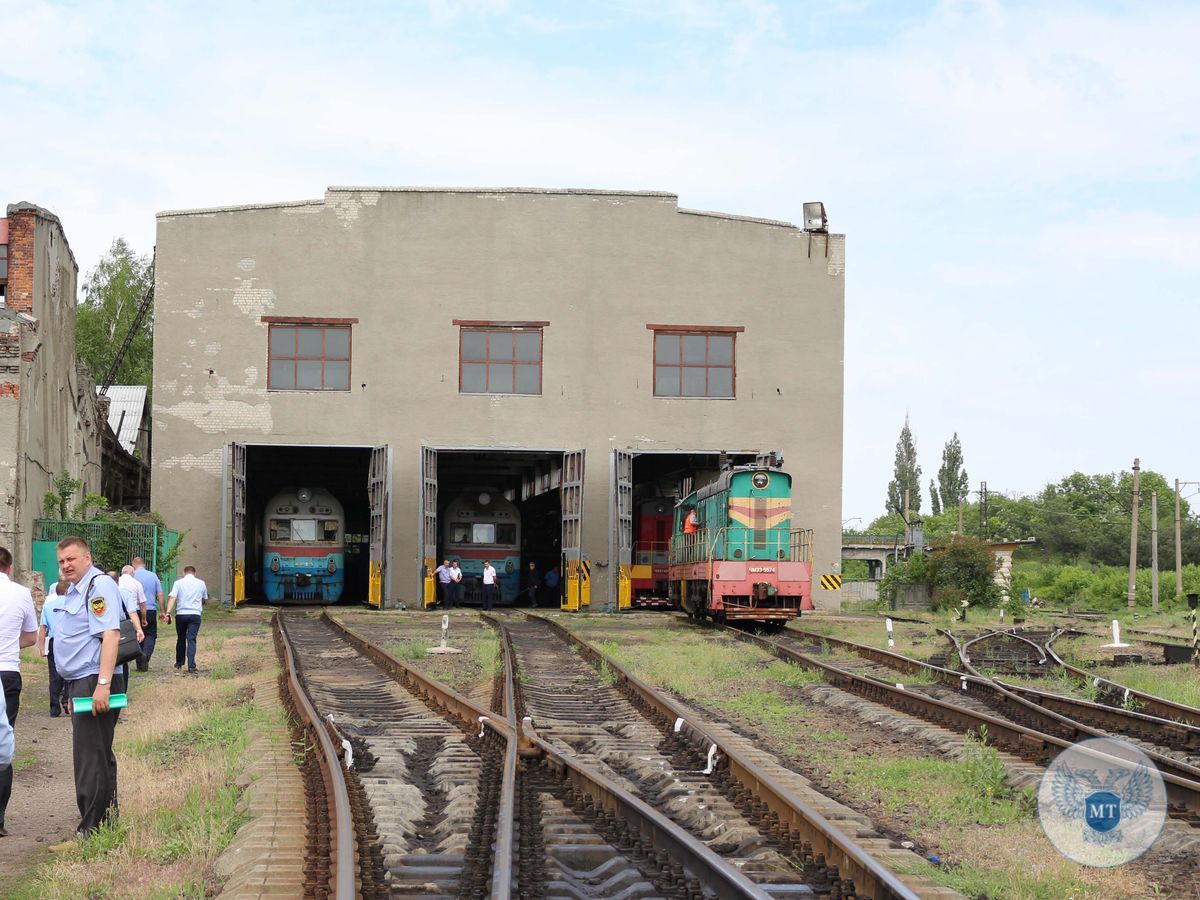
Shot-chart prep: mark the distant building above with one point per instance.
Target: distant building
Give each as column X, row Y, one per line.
column 50, row 421
column 574, row 352
column 126, row 481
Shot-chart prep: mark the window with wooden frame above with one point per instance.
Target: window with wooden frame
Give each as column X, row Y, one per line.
column 308, row 356
column 695, row 361
column 498, row 358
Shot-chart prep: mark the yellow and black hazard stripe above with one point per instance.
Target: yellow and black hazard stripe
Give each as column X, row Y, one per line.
column 831, row 582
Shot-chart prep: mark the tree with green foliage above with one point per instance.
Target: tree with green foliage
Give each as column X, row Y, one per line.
column 934, row 503
column 112, row 293
column 953, row 485
column 907, row 475
column 963, row 568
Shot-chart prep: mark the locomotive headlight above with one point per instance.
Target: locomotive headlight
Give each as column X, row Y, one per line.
column 737, row 554
column 304, row 495
column 332, row 567
column 275, row 564
column 508, row 567
column 760, row 480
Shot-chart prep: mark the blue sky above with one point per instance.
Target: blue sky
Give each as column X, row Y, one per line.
column 1017, row 181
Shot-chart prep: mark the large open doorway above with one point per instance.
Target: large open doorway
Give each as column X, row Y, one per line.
column 521, row 510
column 646, row 487
column 305, row 523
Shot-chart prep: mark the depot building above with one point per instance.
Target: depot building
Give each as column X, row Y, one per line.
column 568, row 358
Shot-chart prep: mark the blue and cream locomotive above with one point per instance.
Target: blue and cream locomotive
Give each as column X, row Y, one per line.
column 481, row 525
column 304, row 534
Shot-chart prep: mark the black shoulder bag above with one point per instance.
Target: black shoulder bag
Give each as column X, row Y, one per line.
column 128, row 649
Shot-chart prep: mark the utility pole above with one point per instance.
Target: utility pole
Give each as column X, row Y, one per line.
column 1154, row 550
column 907, row 526
column 1178, row 547
column 983, row 503
column 1131, row 597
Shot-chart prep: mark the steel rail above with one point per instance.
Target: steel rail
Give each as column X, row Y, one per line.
column 1026, row 742
column 870, row 877
column 654, row 827
column 343, row 861
column 1185, row 736
column 469, row 714
column 1182, row 779
column 1159, row 706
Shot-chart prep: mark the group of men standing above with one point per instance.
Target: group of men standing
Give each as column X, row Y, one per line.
column 79, row 634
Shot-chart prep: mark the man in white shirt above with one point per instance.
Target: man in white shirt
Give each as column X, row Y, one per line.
column 189, row 594
column 18, row 628
column 489, row 584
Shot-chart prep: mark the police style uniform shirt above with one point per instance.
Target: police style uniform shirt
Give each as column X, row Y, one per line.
column 443, row 574
column 189, row 593
column 17, row 616
column 129, row 584
column 81, row 624
column 50, row 610
column 151, row 586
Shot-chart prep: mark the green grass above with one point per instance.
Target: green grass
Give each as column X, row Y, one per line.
column 218, row 727
column 413, row 648
column 485, row 651
column 1011, row 884
column 221, row 669
column 198, row 822
column 1178, row 683
column 25, row 758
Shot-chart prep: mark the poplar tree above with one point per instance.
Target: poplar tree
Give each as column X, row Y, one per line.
column 952, row 477
column 907, row 475
column 933, row 499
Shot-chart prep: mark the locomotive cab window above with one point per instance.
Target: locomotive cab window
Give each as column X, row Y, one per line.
column 329, row 529
column 483, row 534
column 694, row 362
column 506, row 534
column 304, row 529
column 460, row 534
column 281, row 529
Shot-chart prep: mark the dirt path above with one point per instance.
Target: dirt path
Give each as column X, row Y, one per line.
column 42, row 810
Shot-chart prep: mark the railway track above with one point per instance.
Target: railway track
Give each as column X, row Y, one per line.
column 447, row 798
column 968, row 702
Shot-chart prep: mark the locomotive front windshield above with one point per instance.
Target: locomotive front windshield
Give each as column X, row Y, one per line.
column 307, row 530
column 483, row 533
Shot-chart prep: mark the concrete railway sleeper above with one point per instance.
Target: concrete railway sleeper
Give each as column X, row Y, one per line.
column 564, row 830
column 579, row 698
column 1007, row 716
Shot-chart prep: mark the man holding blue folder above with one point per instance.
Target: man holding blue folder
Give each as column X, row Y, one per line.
column 86, row 636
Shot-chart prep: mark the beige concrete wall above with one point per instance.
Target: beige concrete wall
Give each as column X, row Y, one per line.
column 598, row 266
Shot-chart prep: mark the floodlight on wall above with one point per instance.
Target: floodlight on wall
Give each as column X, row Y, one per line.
column 814, row 217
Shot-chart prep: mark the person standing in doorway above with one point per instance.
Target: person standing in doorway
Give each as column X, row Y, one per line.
column 189, row 594
column 86, row 636
column 152, row 588
column 18, row 628
column 531, row 584
column 489, row 584
column 444, row 578
column 50, row 610
column 456, row 585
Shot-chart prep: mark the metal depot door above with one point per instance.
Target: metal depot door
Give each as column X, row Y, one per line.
column 576, row 575
column 237, row 505
column 378, row 481
column 623, row 525
column 429, row 525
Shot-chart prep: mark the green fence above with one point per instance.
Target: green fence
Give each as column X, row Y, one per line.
column 114, row 544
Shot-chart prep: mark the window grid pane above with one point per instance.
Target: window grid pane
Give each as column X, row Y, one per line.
column 309, row 357
column 697, row 364
column 500, row 361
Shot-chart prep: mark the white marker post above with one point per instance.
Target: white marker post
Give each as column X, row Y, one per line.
column 891, row 642
column 444, row 647
column 1116, row 642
